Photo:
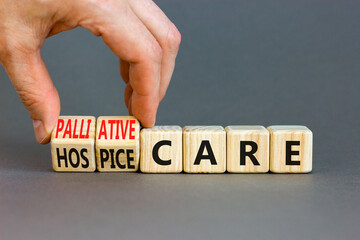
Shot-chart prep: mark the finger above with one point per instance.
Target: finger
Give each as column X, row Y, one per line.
column 32, row 82
column 129, row 108
column 127, row 95
column 145, row 99
column 124, row 70
column 131, row 41
column 165, row 33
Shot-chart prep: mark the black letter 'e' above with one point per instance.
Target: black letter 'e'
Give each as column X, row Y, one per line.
column 155, row 153
column 130, row 159
column 290, row 153
column 200, row 156
column 244, row 154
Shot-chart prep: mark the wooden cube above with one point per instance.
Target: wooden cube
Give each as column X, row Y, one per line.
column 290, row 149
column 161, row 149
column 204, row 149
column 72, row 144
column 117, row 144
column 247, row 149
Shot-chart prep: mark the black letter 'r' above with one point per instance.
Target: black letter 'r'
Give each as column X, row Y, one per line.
column 250, row 154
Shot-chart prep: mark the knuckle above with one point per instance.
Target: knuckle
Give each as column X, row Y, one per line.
column 29, row 98
column 173, row 39
column 155, row 51
column 15, row 50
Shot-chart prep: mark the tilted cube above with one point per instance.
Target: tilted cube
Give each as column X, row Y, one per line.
column 72, row 144
column 117, row 144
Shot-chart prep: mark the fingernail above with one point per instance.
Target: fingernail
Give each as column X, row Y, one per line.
column 40, row 133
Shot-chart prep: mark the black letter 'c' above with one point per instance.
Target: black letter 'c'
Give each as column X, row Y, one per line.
column 155, row 153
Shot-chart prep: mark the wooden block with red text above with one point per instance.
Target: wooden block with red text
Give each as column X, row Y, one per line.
column 247, row 149
column 117, row 144
column 204, row 149
column 72, row 144
column 290, row 149
column 161, row 149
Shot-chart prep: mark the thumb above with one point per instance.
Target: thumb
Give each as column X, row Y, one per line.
column 32, row 82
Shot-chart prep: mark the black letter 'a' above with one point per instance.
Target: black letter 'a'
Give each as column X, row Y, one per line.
column 200, row 155
column 244, row 154
column 155, row 153
column 290, row 153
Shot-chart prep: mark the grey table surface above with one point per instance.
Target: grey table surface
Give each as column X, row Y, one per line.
column 240, row 62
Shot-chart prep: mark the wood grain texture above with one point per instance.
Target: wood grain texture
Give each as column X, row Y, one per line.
column 119, row 149
column 170, row 156
column 279, row 136
column 196, row 136
column 72, row 144
column 256, row 134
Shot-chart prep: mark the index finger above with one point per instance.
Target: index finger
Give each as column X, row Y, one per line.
column 145, row 98
column 131, row 41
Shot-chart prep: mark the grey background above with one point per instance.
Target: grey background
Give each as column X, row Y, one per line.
column 240, row 62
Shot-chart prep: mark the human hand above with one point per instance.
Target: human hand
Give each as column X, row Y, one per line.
column 137, row 31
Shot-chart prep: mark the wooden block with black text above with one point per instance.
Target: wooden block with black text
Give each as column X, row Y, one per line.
column 204, row 149
column 161, row 149
column 117, row 144
column 72, row 144
column 290, row 149
column 247, row 149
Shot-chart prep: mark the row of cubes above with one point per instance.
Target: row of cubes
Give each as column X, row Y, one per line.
column 117, row 144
